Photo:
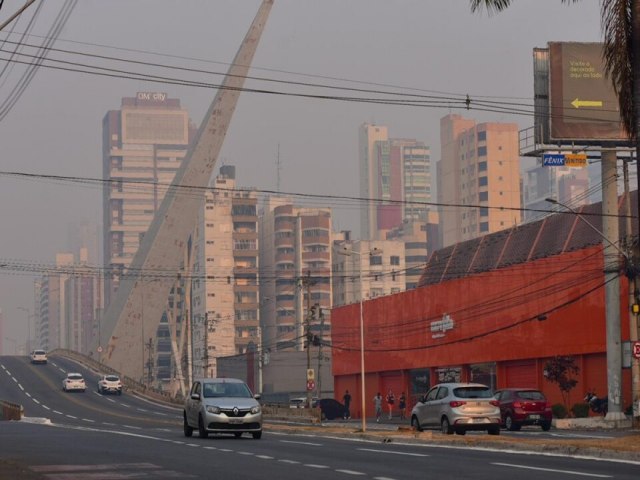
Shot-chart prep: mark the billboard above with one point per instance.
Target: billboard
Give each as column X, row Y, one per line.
column 583, row 105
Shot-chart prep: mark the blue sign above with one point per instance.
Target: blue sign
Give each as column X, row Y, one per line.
column 553, row 160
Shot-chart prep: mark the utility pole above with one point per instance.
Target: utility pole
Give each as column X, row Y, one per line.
column 306, row 281
column 149, row 346
column 320, row 339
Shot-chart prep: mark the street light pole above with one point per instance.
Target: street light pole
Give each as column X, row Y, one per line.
column 347, row 250
column 612, row 301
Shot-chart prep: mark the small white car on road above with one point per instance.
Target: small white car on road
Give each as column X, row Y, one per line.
column 38, row 356
column 110, row 384
column 74, row 382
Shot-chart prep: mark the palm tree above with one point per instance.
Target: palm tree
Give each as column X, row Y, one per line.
column 621, row 53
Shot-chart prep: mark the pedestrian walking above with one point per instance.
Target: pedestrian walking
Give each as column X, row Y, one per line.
column 377, row 404
column 391, row 399
column 402, row 405
column 346, row 399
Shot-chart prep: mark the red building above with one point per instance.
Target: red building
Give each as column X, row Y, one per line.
column 492, row 310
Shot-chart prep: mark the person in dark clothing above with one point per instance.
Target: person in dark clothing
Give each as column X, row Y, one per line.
column 346, row 399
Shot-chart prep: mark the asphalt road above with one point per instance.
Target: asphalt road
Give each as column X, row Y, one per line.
column 91, row 436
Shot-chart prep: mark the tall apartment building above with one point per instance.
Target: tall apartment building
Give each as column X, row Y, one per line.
column 145, row 141
column 393, row 169
column 479, row 167
column 225, row 295
column 367, row 269
column 295, row 272
column 566, row 184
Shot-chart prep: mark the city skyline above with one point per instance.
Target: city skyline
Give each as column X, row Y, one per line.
column 68, row 129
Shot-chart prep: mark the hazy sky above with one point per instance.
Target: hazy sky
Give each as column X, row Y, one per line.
column 436, row 46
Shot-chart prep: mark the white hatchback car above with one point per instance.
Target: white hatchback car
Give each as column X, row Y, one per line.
column 74, row 382
column 110, row 384
column 38, row 356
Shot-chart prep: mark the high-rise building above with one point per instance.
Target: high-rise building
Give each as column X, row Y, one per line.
column 295, row 273
column 567, row 185
column 367, row 269
column 225, row 295
column 396, row 170
column 478, row 178
column 145, row 141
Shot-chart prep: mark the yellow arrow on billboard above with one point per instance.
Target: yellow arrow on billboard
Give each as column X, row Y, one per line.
column 577, row 103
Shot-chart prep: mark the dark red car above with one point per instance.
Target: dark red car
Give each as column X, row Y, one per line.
column 523, row 406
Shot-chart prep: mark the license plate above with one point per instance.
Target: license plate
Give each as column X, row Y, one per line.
column 534, row 417
column 235, row 421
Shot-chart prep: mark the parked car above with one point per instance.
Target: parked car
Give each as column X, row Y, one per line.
column 301, row 402
column 38, row 356
column 222, row 405
column 74, row 382
column 110, row 384
column 330, row 408
column 524, row 406
column 458, row 407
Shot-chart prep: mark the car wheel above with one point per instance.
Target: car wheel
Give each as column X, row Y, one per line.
column 494, row 430
column 257, row 435
column 202, row 432
column 546, row 426
column 237, row 434
column 188, row 431
column 510, row 424
column 415, row 423
column 445, row 426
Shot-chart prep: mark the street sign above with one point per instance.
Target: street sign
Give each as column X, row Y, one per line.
column 311, row 385
column 635, row 350
column 553, row 159
column 311, row 374
column 99, row 349
column 575, row 160
column 564, row 160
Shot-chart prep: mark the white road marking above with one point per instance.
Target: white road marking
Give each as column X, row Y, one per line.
column 178, row 442
column 383, row 478
column 302, row 443
column 96, row 393
column 45, row 407
column 59, row 413
column 54, row 364
column 350, row 472
column 27, row 394
column 568, row 472
column 125, row 405
column 225, row 450
column 35, row 400
column 21, row 387
column 393, row 453
column 3, row 367
column 313, row 465
column 71, row 416
column 160, row 413
column 76, row 468
column 61, row 369
column 291, row 462
column 14, row 379
column 111, row 400
column 210, row 448
column 163, row 429
column 264, row 457
column 245, row 453
column 142, row 410
column 109, row 423
column 88, row 420
column 132, row 427
column 192, row 445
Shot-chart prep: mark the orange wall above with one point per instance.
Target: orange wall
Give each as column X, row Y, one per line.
column 494, row 319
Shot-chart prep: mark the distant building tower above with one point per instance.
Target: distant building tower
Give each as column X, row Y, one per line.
column 479, row 167
column 295, row 272
column 225, row 292
column 398, row 170
column 567, row 185
column 145, row 141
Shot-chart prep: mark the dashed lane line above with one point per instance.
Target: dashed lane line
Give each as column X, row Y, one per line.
column 302, row 443
column 409, row 454
column 314, row 465
column 71, row 416
column 88, row 420
column 540, row 469
column 264, row 457
column 45, row 407
column 350, row 472
column 35, row 400
column 290, row 462
column 59, row 413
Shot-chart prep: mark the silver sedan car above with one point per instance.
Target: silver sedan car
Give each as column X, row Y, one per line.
column 458, row 407
column 222, row 405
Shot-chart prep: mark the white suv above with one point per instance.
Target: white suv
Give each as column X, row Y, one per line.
column 38, row 356
column 110, row 384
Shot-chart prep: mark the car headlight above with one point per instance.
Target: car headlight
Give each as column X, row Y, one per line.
column 255, row 410
column 212, row 409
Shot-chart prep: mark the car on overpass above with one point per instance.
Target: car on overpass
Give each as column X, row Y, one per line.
column 222, row 405
column 110, row 384
column 38, row 356
column 74, row 382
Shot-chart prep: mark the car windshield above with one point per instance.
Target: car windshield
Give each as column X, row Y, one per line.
column 531, row 395
column 111, row 378
column 74, row 376
column 39, row 352
column 237, row 390
column 473, row 392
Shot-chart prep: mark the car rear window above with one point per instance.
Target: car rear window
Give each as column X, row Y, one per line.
column 473, row 392
column 531, row 395
column 111, row 378
column 74, row 377
column 39, row 352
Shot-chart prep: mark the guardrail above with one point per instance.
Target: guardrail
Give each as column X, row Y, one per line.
column 11, row 411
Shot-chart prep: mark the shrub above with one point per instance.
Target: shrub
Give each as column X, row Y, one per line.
column 559, row 410
column 580, row 410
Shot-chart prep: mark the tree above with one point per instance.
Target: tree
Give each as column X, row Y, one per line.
column 561, row 370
